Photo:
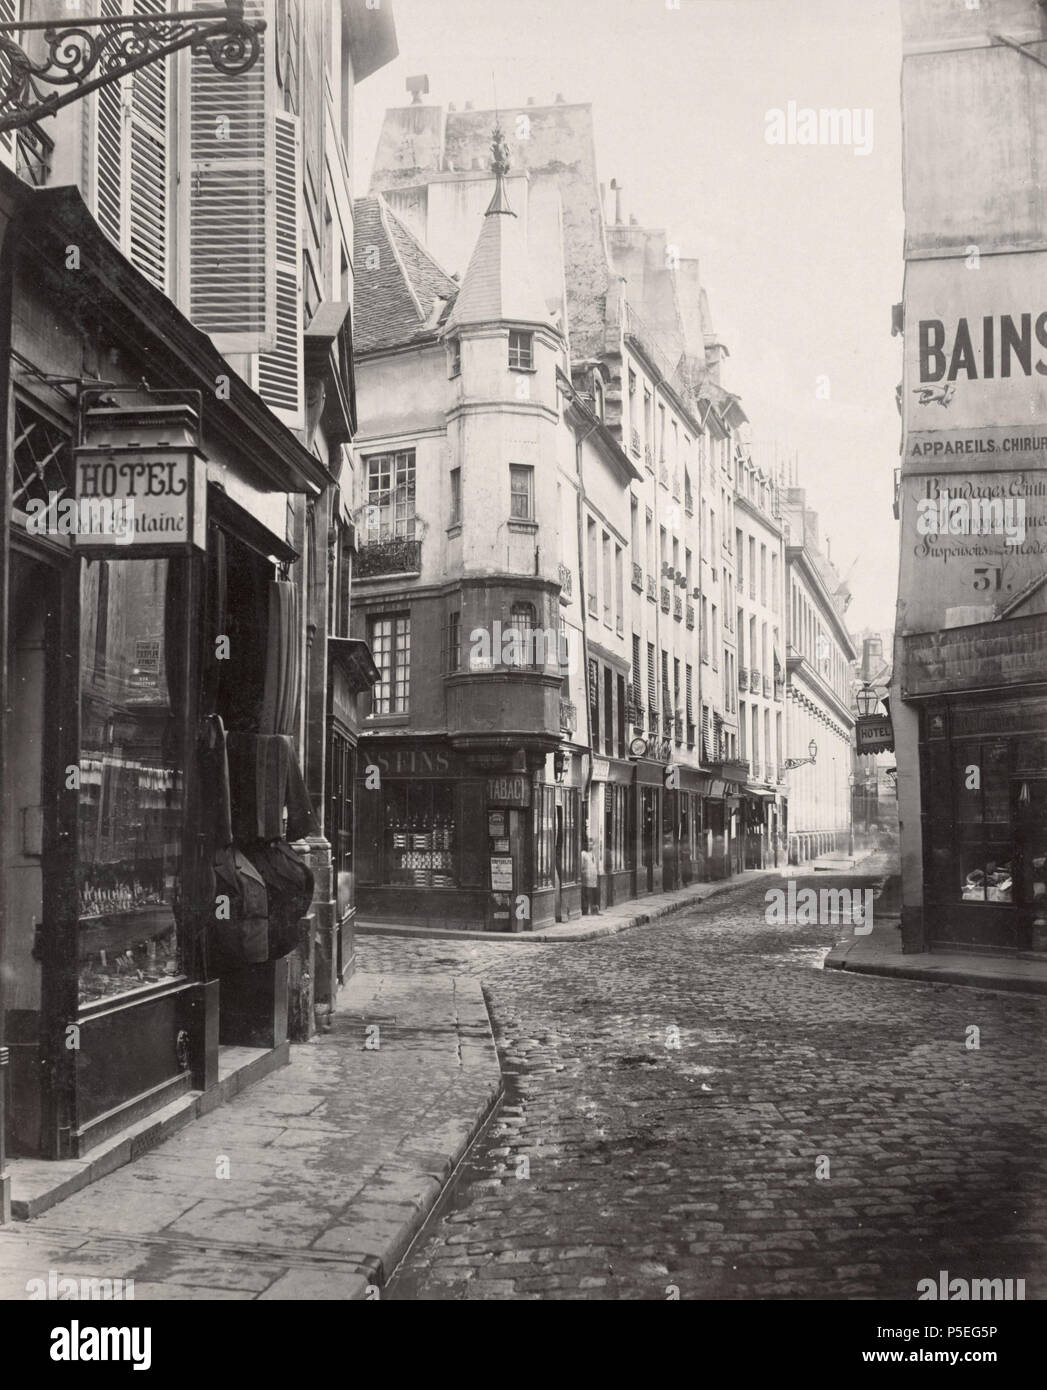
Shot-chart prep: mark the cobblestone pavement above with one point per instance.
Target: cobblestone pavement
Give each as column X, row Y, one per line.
column 814, row 1136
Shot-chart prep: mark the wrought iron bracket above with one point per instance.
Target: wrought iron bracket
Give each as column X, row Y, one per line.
column 95, row 52
column 790, row 763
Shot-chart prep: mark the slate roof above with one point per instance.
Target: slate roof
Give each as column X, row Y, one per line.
column 499, row 283
column 395, row 301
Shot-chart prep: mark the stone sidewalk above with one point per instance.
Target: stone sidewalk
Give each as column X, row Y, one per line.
column 880, row 953
column 310, row 1185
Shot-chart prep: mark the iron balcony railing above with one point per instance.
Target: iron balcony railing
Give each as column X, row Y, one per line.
column 566, row 581
column 665, row 598
column 637, row 577
column 397, row 555
column 678, row 608
column 690, row 615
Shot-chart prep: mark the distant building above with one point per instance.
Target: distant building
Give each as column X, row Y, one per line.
column 819, row 659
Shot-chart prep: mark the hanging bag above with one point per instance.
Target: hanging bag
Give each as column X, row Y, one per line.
column 289, row 885
column 240, row 934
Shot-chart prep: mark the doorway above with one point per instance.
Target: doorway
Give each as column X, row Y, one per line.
column 648, row 807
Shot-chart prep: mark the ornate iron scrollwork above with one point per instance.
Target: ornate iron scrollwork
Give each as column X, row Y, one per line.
column 95, row 52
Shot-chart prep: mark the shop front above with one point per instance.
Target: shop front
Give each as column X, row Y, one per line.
column 445, row 840
column 683, row 845
column 983, row 778
column 611, row 829
column 648, row 813
column 141, row 599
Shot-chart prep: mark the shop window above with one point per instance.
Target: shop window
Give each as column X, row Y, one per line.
column 544, row 836
column 616, row 836
column 339, row 820
column 984, row 831
column 133, row 645
column 390, row 641
column 420, row 835
column 569, row 842
column 391, row 496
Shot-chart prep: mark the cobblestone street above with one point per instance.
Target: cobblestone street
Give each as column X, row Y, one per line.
column 814, row 1135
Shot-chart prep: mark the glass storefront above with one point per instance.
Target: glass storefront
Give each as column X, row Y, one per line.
column 131, row 776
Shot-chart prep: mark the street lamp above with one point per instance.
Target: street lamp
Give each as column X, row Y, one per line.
column 812, row 749
column 866, row 700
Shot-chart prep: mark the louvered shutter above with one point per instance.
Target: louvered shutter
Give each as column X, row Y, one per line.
column 9, row 13
column 110, row 182
column 279, row 373
column 148, row 210
column 131, row 183
column 231, row 202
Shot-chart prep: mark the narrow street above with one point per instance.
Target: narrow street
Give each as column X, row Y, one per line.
column 650, row 1166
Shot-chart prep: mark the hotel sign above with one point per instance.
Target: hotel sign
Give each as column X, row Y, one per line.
column 134, row 503
column 874, row 734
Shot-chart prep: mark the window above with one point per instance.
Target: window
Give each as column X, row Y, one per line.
column 621, row 716
column 521, row 351
column 652, row 688
column 454, row 641
column 637, row 674
column 454, row 356
column 419, row 833
column 619, row 590
column 715, row 637
column 608, row 711
column 338, row 824
column 390, row 641
column 608, row 591
column 390, row 496
column 520, row 647
column 456, row 497
column 689, row 710
column 763, row 574
column 544, row 836
column 634, row 529
column 133, row 650
column 521, row 492
column 594, row 703
column 591, row 577
column 569, row 841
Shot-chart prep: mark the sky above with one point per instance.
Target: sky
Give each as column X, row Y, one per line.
column 800, row 245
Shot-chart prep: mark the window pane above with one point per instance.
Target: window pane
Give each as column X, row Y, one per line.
column 131, row 798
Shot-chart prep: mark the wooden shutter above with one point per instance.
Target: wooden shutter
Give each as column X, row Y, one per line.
column 279, row 372
column 147, row 132
column 131, row 170
column 231, row 198
column 9, row 13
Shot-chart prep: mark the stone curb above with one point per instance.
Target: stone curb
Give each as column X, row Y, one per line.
column 569, row 934
column 428, row 1163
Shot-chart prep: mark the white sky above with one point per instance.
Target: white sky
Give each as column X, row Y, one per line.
column 800, row 246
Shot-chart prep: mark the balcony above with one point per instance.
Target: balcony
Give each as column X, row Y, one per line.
column 690, row 615
column 754, row 680
column 667, row 726
column 652, row 719
column 767, row 687
column 566, row 582
column 679, row 729
column 568, row 717
column 634, row 443
column 397, row 555
column 652, row 589
column 743, row 678
column 637, row 577
column 665, row 598
column 678, row 608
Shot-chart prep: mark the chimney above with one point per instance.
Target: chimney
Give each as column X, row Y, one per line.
column 617, row 187
column 418, row 87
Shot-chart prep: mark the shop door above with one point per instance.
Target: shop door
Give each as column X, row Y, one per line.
column 24, row 842
column 558, row 867
column 1030, row 818
column 647, row 811
column 670, row 864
